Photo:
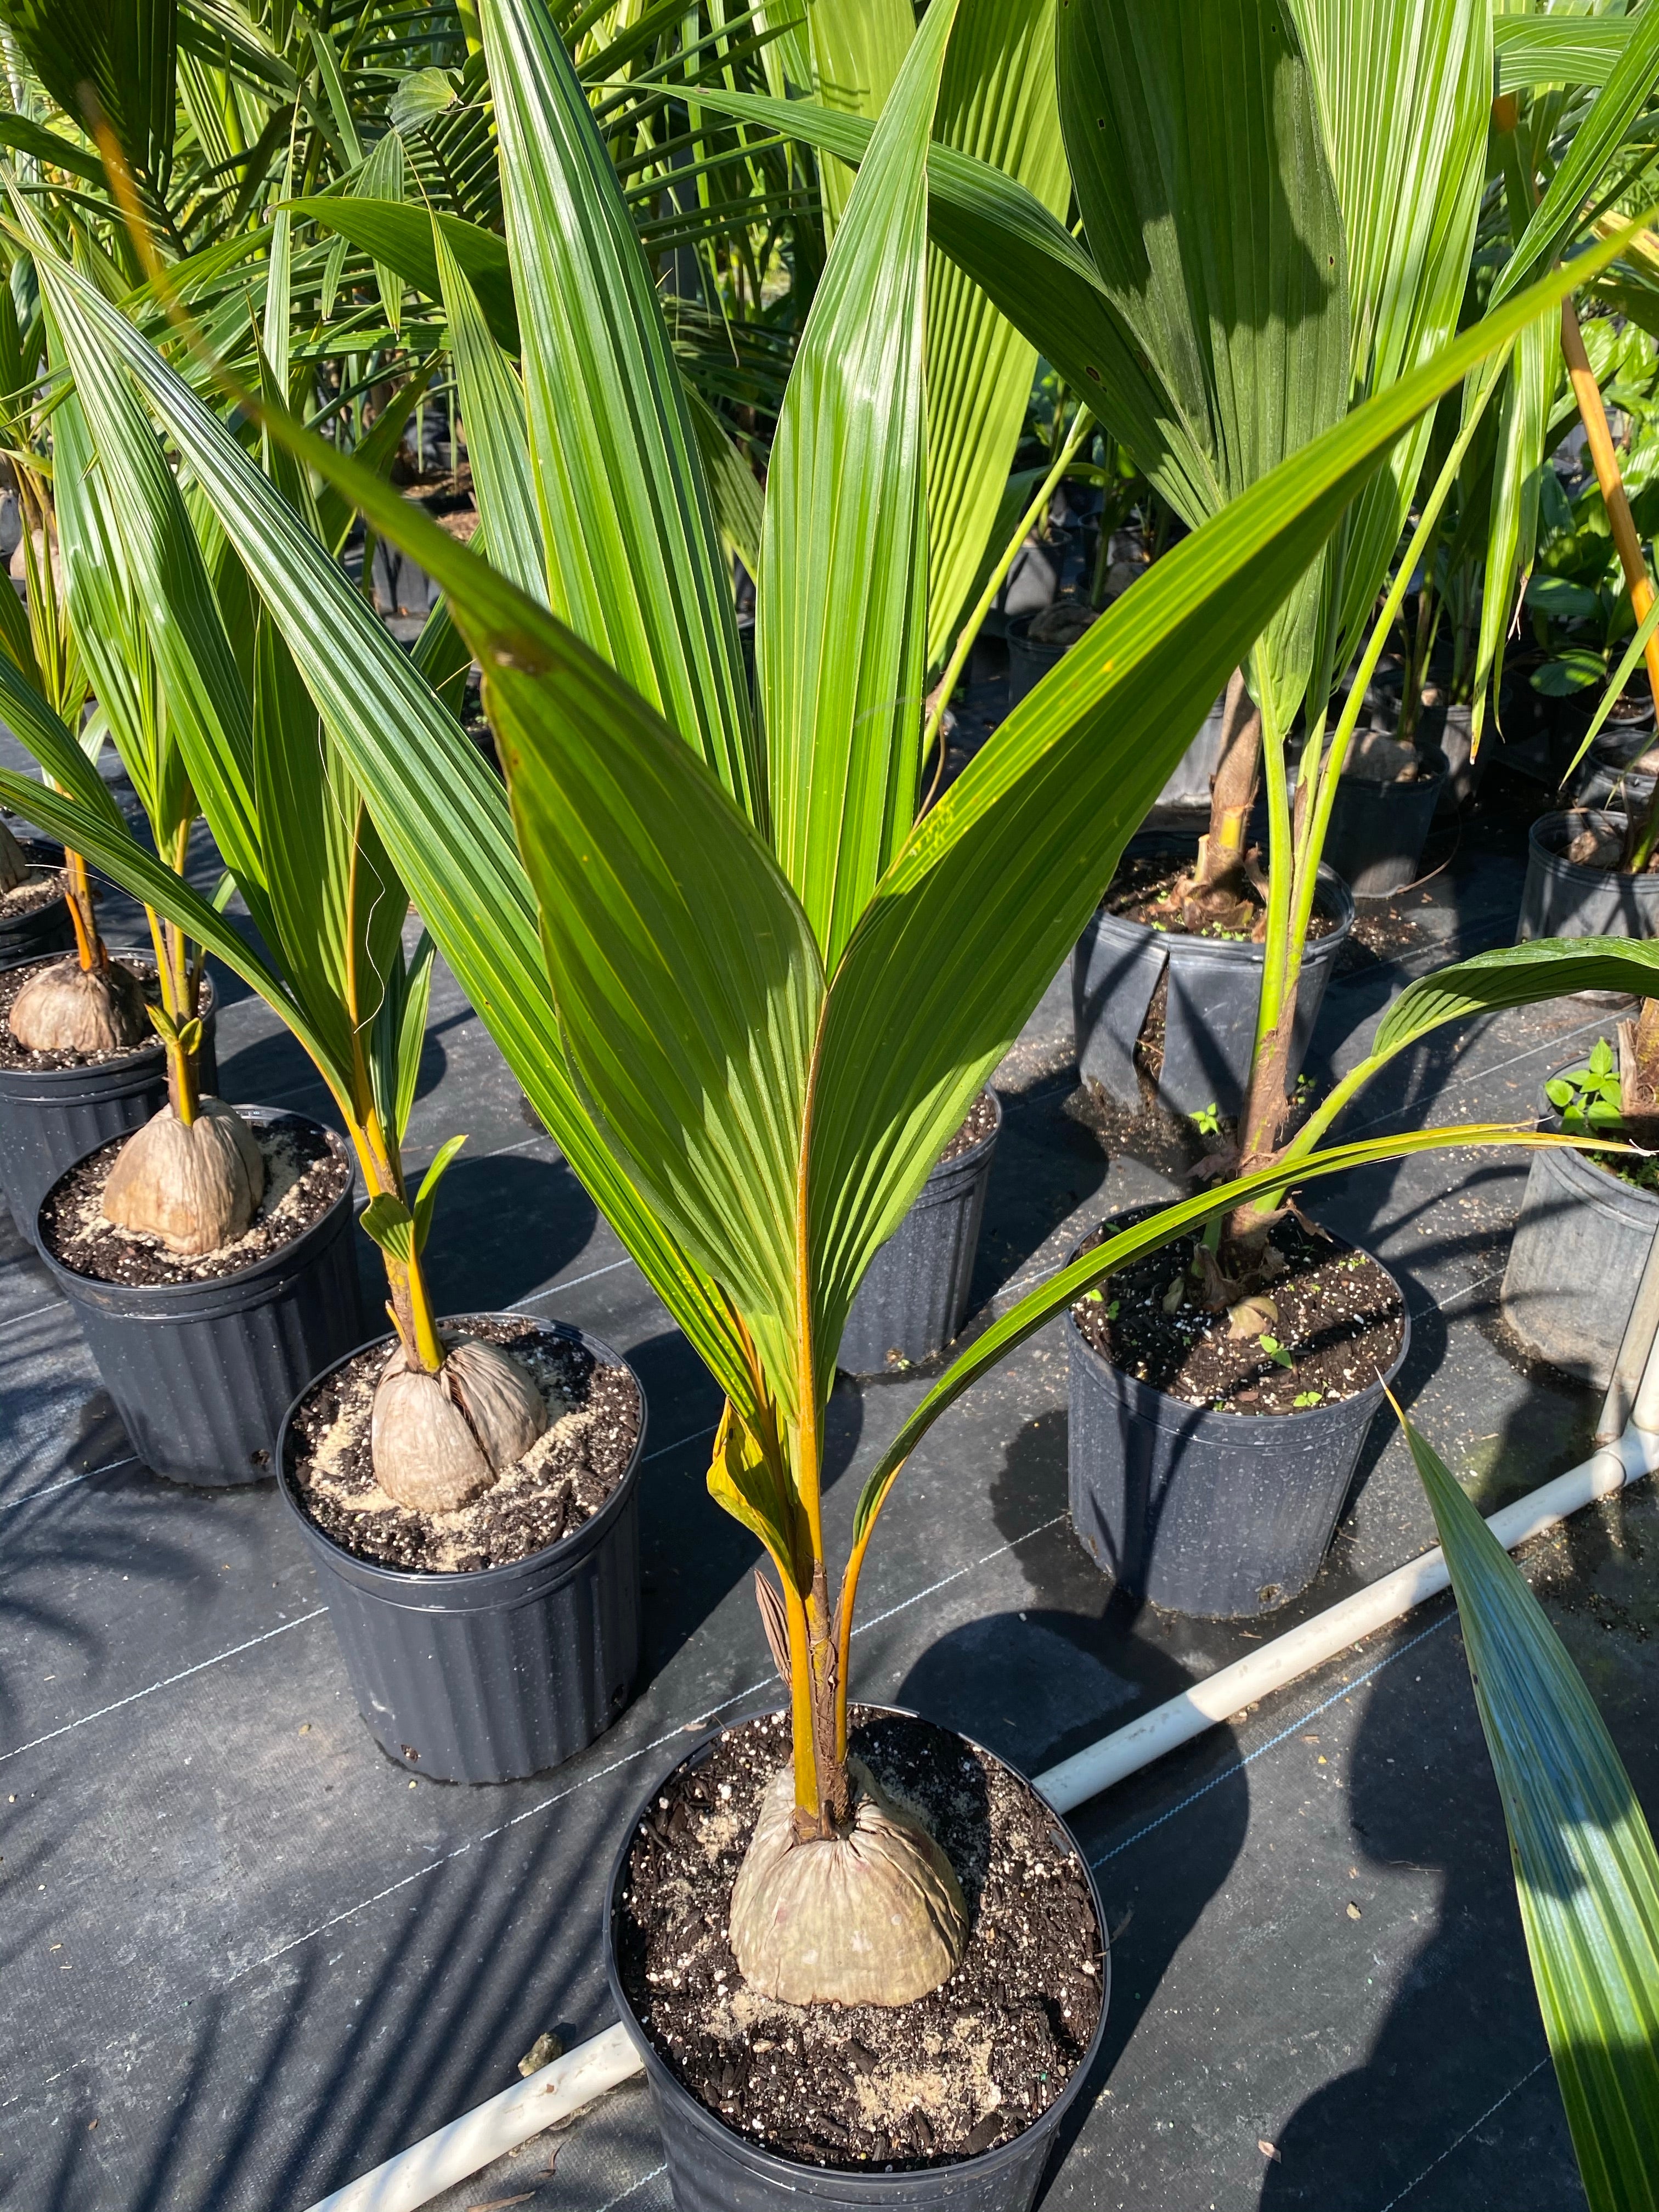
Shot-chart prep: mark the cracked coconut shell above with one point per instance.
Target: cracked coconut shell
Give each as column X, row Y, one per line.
column 196, row 1185
column 438, row 1441
column 872, row 1917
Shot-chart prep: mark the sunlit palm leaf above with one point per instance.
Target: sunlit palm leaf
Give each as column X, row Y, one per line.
column 634, row 561
column 842, row 610
column 996, row 101
column 1586, row 1870
column 1214, row 225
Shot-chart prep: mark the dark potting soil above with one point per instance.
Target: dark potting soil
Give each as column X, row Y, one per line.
column 40, row 889
column 304, row 1177
column 884, row 2086
column 981, row 1120
column 1334, row 1324
column 1144, row 890
column 12, row 980
column 1380, row 934
column 560, row 1482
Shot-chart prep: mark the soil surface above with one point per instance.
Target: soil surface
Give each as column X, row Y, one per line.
column 12, row 980
column 981, row 1120
column 873, row 2086
column 1335, row 1324
column 562, row 1481
column 1144, row 890
column 304, row 1177
column 40, row 889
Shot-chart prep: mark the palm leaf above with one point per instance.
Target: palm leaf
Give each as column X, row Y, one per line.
column 491, row 401
column 997, row 102
column 841, row 611
column 633, row 558
column 1214, row 224
column 1586, row 1871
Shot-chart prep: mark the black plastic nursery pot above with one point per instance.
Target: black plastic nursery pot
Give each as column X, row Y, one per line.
column 1613, row 773
column 50, row 1117
column 1561, row 898
column 1581, row 1242
column 1377, row 831
column 1220, row 1515
column 203, row 1373
column 713, row 2168
column 914, row 1297
column 498, row 1673
column 1215, row 987
column 47, row 928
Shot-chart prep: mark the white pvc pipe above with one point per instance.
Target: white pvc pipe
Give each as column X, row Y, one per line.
column 449, row 2156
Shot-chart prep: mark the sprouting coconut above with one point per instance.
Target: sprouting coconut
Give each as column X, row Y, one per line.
column 870, row 1915
column 438, row 1436
column 195, row 1183
column 75, row 1005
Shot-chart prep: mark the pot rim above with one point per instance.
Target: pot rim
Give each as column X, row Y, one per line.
column 1331, row 894
column 161, row 1301
column 1557, row 864
column 857, row 2180
column 117, row 1064
column 387, row 1582
column 974, row 1153
column 1186, row 1415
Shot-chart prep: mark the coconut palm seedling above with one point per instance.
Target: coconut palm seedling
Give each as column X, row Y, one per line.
column 749, row 992
column 322, row 895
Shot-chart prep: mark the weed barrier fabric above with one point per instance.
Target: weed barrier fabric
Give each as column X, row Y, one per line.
column 281, row 1964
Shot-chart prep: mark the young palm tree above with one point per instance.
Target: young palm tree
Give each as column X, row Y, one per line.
column 750, row 993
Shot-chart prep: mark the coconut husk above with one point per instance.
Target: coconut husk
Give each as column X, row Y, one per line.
column 873, row 1916
column 69, row 1008
column 14, row 861
column 196, row 1185
column 438, row 1441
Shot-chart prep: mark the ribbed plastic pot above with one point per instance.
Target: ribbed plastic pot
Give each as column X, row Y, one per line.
column 1581, row 1241
column 48, row 929
column 1608, row 776
column 1378, row 830
column 491, row 1676
column 1190, row 780
column 1562, row 899
column 1223, row 1515
column 711, row 2168
column 50, row 1117
column 203, row 1373
column 914, row 1297
column 1215, row 987
column 1029, row 663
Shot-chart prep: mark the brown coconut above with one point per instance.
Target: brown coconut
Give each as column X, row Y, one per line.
column 874, row 1915
column 69, row 1008
column 438, row 1441
column 196, row 1185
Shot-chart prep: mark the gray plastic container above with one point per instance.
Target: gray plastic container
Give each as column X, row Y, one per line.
column 1223, row 1515
column 1562, row 899
column 1215, row 987
column 49, row 929
column 1378, row 830
column 914, row 1297
column 203, row 1373
column 712, row 2168
column 1581, row 1242
column 499, row 1674
column 52, row 1117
